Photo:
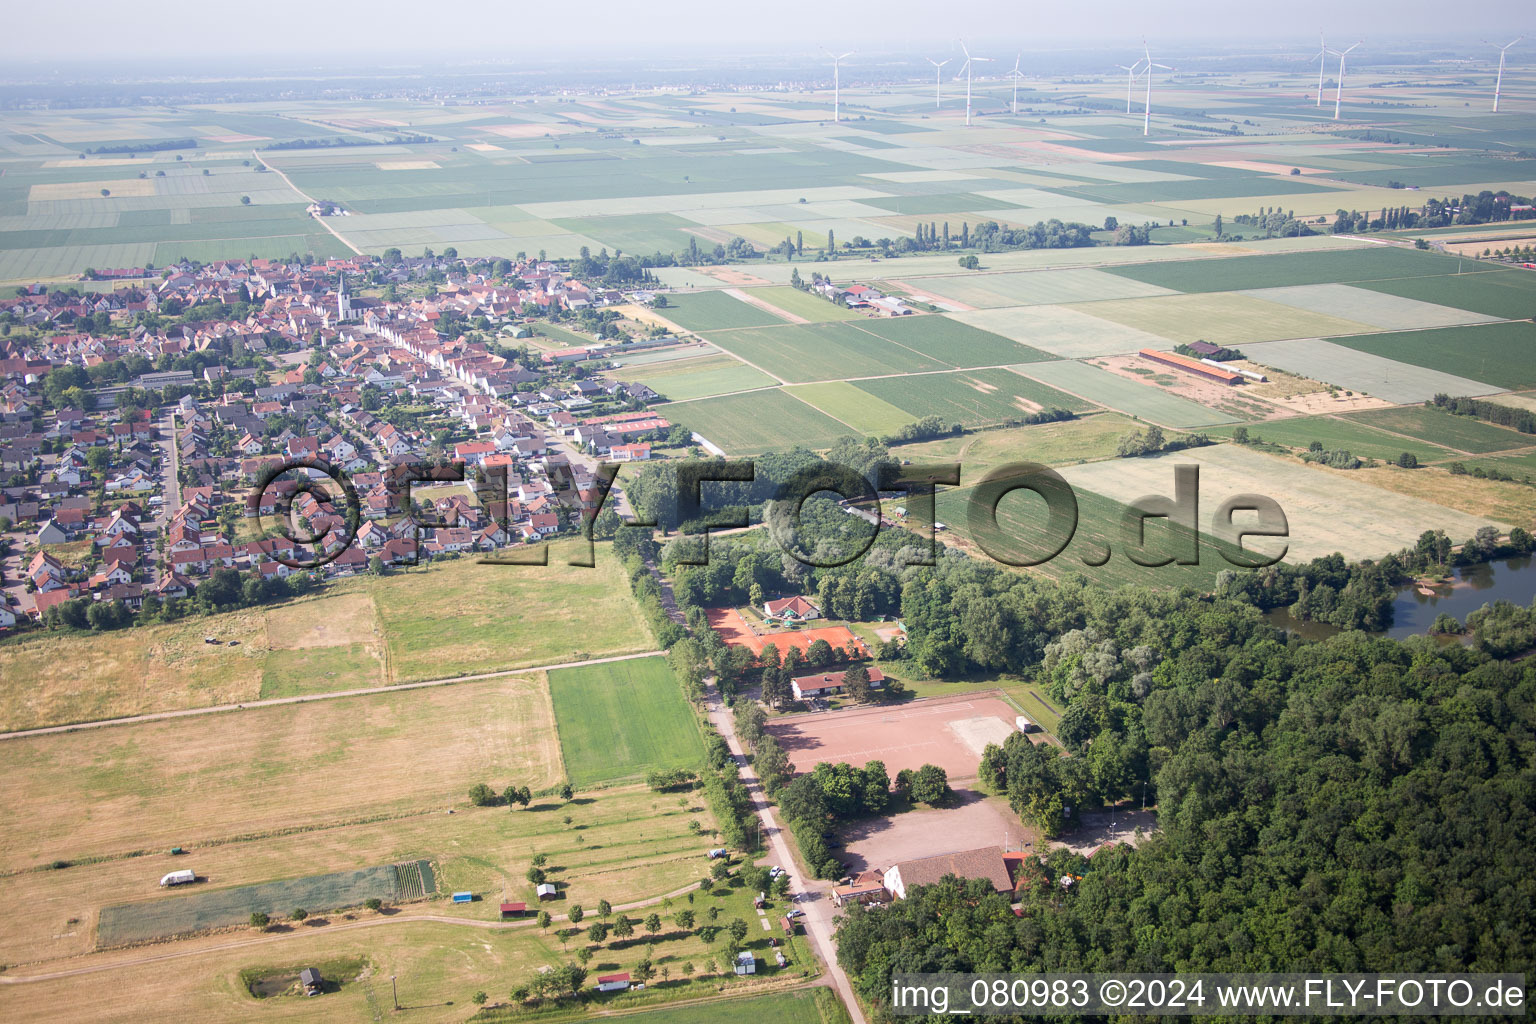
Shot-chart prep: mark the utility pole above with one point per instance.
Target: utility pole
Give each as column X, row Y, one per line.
column 395, row 989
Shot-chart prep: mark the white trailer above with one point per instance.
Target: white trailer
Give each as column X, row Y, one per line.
column 179, row 878
column 1024, row 724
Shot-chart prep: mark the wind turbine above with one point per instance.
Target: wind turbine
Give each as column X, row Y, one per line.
column 1146, row 120
column 966, row 68
column 1322, row 64
column 1130, row 81
column 937, row 69
column 1338, row 93
column 837, row 59
column 1016, row 74
column 1499, row 82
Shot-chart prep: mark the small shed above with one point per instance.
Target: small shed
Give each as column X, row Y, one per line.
column 760, row 901
column 613, row 982
column 788, row 924
column 514, row 909
column 546, row 891
column 311, row 980
column 463, row 897
column 746, row 963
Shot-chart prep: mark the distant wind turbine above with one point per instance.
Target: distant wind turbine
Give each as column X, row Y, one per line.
column 1338, row 92
column 1322, row 64
column 1499, row 82
column 1146, row 120
column 1130, row 81
column 966, row 69
column 837, row 59
column 938, row 66
column 1016, row 74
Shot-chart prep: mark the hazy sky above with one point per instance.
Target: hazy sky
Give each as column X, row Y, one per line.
column 346, row 30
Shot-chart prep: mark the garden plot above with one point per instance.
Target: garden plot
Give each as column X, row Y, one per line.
column 1388, row 379
column 1117, row 392
column 1035, row 288
column 1061, row 330
column 1326, row 510
column 1388, row 312
column 1224, row 318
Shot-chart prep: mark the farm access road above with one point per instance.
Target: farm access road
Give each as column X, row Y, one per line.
column 305, row 698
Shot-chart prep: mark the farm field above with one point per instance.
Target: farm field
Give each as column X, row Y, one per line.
column 1328, row 510
column 708, row 311
column 1500, row 354
column 802, row 353
column 971, row 397
column 1094, row 384
column 619, row 719
column 1460, row 432
column 1351, row 434
column 684, row 379
column 1065, row 331
column 736, row 422
column 803, row 1006
column 862, row 411
column 1047, row 287
column 1504, row 293
column 1348, row 367
column 1376, row 263
column 952, row 341
column 1378, row 309
column 805, row 305
column 1226, row 318
column 1091, row 436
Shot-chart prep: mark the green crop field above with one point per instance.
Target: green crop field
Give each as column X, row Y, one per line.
column 1505, row 293
column 801, row 353
column 1379, row 263
column 1065, row 331
column 706, row 311
column 1378, row 309
column 862, row 411
column 685, row 379
column 1034, row 288
column 1336, row 433
column 1224, row 318
column 1500, row 354
column 952, row 341
column 1100, row 386
column 758, row 421
column 806, row 305
column 620, row 719
column 972, row 397
column 1438, row 426
column 804, row 1006
column 1091, row 436
column 194, row 910
column 1348, row 367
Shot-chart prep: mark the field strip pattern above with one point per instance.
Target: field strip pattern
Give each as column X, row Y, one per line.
column 1396, row 382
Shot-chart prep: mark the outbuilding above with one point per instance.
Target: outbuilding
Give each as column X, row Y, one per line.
column 311, row 980
column 613, row 982
column 746, row 963
column 546, row 891
column 514, row 909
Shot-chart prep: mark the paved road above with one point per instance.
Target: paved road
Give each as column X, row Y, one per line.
column 306, row 698
column 815, row 896
column 376, row 922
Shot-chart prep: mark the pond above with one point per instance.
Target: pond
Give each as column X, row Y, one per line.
column 1413, row 612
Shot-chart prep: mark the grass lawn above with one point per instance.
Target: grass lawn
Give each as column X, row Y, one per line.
column 1500, row 354
column 621, row 719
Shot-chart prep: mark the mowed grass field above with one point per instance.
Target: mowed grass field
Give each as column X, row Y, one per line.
column 971, row 397
column 758, row 421
column 1501, row 354
column 451, row 618
column 182, row 781
column 620, row 719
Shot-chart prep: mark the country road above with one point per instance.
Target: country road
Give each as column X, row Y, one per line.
column 160, row 716
column 269, row 165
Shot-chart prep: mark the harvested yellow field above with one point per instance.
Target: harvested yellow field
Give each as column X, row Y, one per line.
column 125, row 187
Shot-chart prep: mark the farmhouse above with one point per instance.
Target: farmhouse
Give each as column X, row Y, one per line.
column 986, row 862
column 865, row 887
column 826, row 684
column 796, row 609
column 1192, row 366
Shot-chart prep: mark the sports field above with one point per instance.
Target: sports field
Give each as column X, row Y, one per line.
column 1225, row 318
column 1047, row 287
column 758, row 421
column 683, row 379
column 1346, row 366
column 1462, row 433
column 1066, row 331
column 702, row 311
column 1500, row 354
column 1143, row 401
column 862, row 411
column 971, row 397
column 1327, row 510
column 620, row 719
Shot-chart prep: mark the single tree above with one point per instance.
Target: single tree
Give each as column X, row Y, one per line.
column 576, row 914
column 653, row 923
column 260, row 920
